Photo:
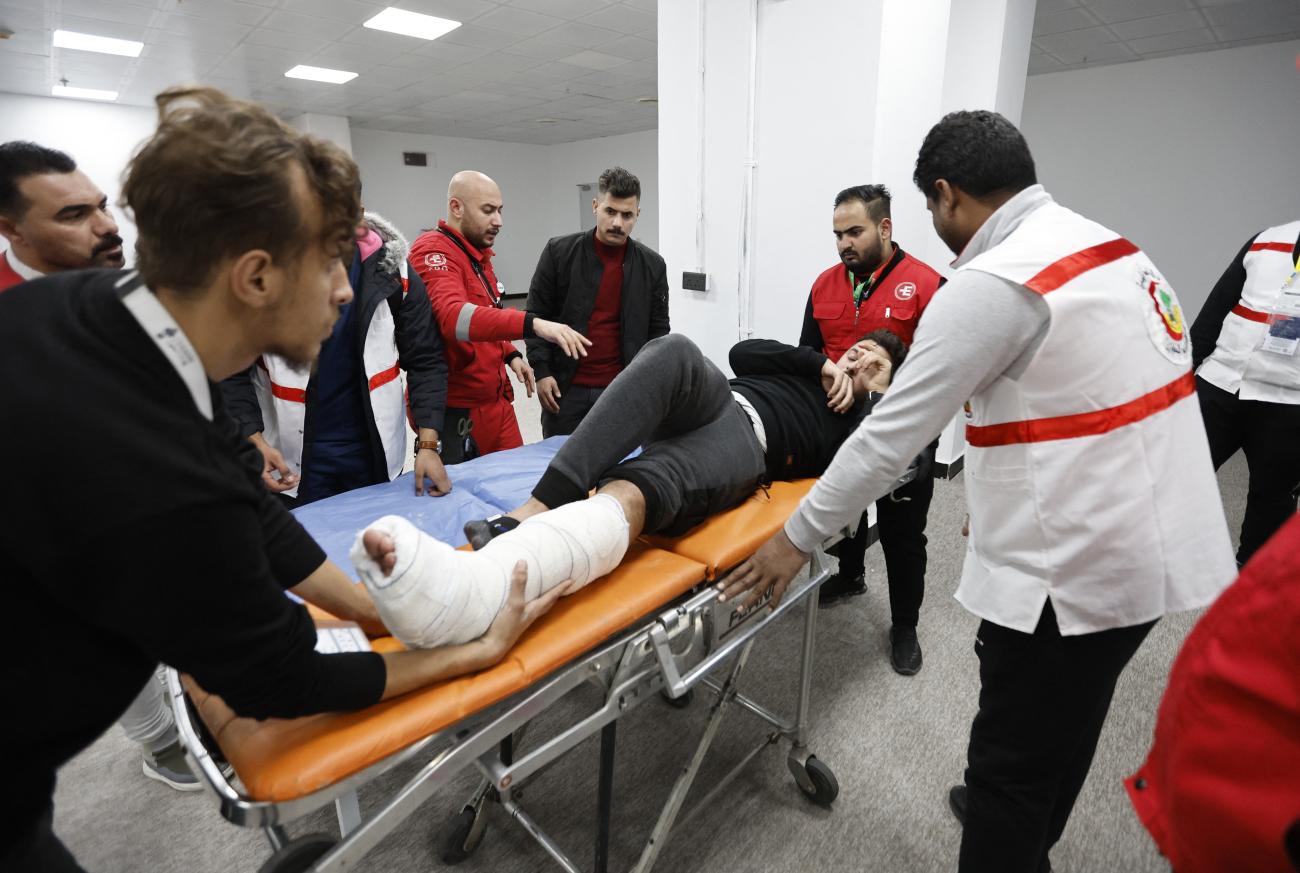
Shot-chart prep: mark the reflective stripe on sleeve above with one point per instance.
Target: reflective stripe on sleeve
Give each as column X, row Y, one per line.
column 462, row 322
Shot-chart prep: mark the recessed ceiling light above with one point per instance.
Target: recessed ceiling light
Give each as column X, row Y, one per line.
column 320, row 74
column 84, row 93
column 88, row 42
column 406, row 23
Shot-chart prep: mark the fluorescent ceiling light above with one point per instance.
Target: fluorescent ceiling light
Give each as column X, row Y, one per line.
column 396, row 20
column 88, row 42
column 84, row 93
column 320, row 74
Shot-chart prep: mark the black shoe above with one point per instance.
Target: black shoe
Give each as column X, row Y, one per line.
column 957, row 802
column 838, row 589
column 482, row 531
column 904, row 650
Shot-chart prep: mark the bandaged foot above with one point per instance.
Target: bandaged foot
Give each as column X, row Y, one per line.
column 437, row 595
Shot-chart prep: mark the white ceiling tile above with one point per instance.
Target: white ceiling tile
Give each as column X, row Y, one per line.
column 555, row 72
column 648, row 6
column 312, row 25
column 478, row 36
column 1249, row 20
column 541, row 48
column 1158, row 25
column 1109, row 52
column 1058, row 22
column 463, row 11
column 29, row 42
column 287, row 40
column 12, row 62
column 633, row 48
column 594, row 60
column 338, row 56
column 343, row 10
column 1075, row 40
column 120, row 12
column 1127, row 10
column 624, row 19
column 99, row 26
column 1166, row 42
column 232, row 11
column 579, row 35
column 519, row 21
column 204, row 33
column 1042, row 64
column 448, row 51
column 1046, row 7
column 18, row 19
column 570, row 9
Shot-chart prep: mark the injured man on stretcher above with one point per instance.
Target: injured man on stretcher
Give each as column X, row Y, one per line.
column 706, row 443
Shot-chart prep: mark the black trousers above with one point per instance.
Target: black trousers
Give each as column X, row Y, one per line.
column 575, row 402
column 1043, row 700
column 900, row 520
column 40, row 851
column 1269, row 434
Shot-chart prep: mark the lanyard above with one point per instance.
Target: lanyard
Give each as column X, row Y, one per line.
column 863, row 289
column 475, row 266
column 158, row 323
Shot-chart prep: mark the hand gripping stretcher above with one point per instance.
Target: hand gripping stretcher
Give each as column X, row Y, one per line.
column 651, row 628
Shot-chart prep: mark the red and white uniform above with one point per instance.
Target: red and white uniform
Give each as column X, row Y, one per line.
column 475, row 333
column 1238, row 363
column 895, row 302
column 14, row 271
column 1089, row 476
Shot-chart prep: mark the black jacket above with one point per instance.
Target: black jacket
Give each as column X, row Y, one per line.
column 564, row 289
column 419, row 349
column 783, row 383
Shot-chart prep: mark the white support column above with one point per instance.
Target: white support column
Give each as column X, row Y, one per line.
column 335, row 128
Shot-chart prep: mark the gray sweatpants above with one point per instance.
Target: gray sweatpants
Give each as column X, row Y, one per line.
column 699, row 451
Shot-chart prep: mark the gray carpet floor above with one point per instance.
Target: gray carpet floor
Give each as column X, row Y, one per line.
column 895, row 744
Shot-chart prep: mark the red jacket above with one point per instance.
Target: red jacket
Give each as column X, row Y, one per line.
column 8, row 278
column 1221, row 786
column 896, row 300
column 475, row 332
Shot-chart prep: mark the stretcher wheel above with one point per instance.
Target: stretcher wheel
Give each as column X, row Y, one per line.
column 457, row 840
column 824, row 787
column 298, row 855
column 679, row 702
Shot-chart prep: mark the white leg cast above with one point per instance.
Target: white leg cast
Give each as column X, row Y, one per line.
column 438, row 596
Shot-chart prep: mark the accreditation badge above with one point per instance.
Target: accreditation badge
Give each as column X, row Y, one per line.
column 1283, row 337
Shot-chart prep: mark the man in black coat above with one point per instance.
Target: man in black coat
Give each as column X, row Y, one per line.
column 608, row 287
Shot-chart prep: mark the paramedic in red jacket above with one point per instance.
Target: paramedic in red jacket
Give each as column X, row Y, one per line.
column 455, row 262
column 877, row 285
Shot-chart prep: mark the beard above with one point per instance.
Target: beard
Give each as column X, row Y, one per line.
column 869, row 262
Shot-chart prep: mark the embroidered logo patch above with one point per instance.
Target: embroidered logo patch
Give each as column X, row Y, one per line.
column 1164, row 317
column 435, row 259
column 905, row 291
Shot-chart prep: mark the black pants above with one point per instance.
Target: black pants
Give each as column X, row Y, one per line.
column 699, row 452
column 40, row 851
column 1269, row 434
column 575, row 402
column 900, row 519
column 1043, row 700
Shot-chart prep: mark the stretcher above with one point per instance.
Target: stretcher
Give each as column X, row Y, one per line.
column 652, row 629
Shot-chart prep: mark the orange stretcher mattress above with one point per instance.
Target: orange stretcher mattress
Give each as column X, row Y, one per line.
column 285, row 759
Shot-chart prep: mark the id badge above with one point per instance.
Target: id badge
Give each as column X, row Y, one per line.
column 1283, row 336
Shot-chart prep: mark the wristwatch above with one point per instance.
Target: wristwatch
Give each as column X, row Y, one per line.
column 421, row 445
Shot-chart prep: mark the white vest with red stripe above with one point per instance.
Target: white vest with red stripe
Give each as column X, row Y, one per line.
column 1088, row 476
column 1238, row 362
column 282, row 394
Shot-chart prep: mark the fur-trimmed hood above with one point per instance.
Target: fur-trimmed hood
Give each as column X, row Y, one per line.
column 395, row 245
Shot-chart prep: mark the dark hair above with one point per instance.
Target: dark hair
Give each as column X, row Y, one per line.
column 979, row 152
column 618, row 182
column 890, row 342
column 20, row 159
column 216, row 180
column 874, row 197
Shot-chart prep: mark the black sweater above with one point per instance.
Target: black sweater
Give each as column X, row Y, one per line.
column 784, row 385
column 134, row 531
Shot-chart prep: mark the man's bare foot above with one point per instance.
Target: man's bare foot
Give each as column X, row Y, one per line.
column 381, row 549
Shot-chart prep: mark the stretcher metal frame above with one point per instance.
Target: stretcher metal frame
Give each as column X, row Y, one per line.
column 675, row 651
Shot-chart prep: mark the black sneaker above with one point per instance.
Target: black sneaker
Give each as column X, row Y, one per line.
column 957, row 802
column 904, row 650
column 482, row 531
column 839, row 589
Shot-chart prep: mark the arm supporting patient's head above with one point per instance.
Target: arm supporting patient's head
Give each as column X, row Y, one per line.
column 872, row 360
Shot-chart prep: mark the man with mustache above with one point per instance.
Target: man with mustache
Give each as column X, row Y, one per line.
column 877, row 285
column 606, row 285
column 54, row 217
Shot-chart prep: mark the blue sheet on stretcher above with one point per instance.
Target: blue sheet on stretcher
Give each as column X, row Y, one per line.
column 484, row 486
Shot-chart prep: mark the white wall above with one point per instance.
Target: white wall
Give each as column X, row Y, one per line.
column 100, row 137
column 575, row 163
column 1187, row 156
